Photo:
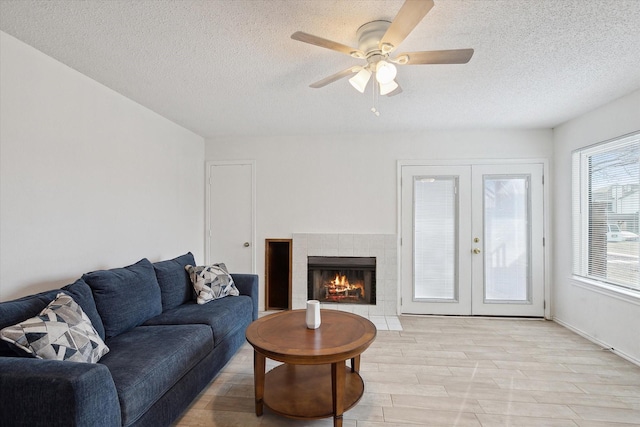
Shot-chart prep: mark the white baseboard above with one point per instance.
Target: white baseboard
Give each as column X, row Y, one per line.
column 583, row 334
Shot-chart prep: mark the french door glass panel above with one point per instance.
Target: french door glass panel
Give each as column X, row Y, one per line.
column 435, row 220
column 506, row 238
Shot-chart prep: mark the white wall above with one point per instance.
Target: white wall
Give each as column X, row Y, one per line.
column 602, row 316
column 88, row 178
column 347, row 183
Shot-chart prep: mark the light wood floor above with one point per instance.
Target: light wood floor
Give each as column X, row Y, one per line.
column 458, row 372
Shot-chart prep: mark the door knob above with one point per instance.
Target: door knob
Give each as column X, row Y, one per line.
column 246, row 244
column 476, row 250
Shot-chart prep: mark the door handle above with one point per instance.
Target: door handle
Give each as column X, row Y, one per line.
column 476, row 250
column 246, row 244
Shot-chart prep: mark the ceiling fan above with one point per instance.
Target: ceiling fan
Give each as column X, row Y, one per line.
column 376, row 41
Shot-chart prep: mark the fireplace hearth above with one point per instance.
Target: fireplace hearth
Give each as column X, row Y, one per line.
column 339, row 279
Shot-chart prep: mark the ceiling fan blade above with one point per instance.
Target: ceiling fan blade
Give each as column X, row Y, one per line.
column 336, row 76
column 409, row 15
column 328, row 44
column 454, row 56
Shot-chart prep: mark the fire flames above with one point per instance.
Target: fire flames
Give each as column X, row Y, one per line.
column 341, row 288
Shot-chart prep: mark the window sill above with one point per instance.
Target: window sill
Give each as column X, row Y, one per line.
column 613, row 291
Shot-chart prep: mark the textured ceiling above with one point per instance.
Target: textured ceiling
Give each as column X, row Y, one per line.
column 226, row 68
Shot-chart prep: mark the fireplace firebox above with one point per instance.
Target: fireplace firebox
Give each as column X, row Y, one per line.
column 350, row 280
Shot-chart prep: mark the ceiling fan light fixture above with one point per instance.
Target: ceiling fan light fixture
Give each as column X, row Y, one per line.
column 387, row 88
column 360, row 80
column 385, row 72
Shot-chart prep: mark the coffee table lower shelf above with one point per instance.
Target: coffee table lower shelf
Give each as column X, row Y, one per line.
column 305, row 392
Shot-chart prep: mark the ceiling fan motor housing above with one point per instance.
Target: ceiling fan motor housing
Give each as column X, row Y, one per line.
column 369, row 36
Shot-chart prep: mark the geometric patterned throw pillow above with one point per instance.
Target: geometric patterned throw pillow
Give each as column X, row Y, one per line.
column 62, row 331
column 211, row 282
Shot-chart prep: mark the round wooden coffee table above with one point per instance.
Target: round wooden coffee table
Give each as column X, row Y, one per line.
column 314, row 381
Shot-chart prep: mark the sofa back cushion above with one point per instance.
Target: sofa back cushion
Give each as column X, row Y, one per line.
column 125, row 297
column 81, row 294
column 15, row 311
column 174, row 281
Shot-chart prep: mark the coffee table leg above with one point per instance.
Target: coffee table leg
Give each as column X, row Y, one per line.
column 338, row 376
column 355, row 364
column 258, row 375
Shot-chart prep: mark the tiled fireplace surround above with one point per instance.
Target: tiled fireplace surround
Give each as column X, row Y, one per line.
column 381, row 246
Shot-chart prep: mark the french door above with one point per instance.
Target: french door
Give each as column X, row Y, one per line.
column 472, row 239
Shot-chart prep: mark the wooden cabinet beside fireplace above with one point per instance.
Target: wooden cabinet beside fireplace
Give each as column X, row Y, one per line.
column 278, row 273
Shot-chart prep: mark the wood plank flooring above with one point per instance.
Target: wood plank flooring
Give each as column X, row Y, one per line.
column 449, row 371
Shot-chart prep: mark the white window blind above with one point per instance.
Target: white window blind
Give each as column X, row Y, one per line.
column 606, row 205
column 435, row 228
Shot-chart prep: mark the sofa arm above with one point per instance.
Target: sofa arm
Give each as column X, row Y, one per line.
column 39, row 392
column 247, row 284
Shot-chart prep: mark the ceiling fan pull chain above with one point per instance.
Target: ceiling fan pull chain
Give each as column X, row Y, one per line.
column 373, row 96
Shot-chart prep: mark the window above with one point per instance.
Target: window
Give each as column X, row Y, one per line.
column 606, row 201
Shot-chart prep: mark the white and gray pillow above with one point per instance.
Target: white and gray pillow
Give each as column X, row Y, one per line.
column 62, row 331
column 211, row 282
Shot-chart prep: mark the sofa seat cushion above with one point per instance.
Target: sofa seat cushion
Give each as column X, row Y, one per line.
column 223, row 316
column 125, row 297
column 174, row 281
column 147, row 361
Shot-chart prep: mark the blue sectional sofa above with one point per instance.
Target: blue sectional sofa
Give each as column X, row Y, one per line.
column 163, row 349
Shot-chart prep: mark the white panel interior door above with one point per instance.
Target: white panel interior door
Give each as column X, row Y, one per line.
column 472, row 240
column 231, row 215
